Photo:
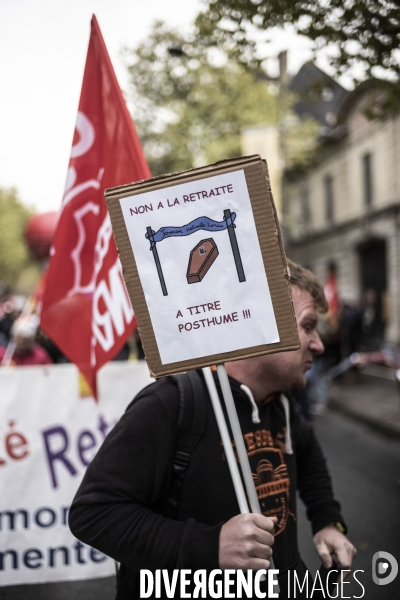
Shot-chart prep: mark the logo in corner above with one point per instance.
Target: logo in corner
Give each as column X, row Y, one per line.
column 384, row 568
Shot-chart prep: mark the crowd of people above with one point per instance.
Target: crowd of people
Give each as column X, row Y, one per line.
column 345, row 329
column 269, row 385
column 19, row 340
column 350, row 332
column 24, row 343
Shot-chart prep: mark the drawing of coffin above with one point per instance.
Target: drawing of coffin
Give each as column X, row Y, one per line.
column 201, row 258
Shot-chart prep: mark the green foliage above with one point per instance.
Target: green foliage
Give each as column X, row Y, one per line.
column 190, row 107
column 299, row 142
column 361, row 31
column 14, row 255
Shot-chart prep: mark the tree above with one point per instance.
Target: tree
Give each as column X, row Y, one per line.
column 366, row 32
column 190, row 103
column 14, row 256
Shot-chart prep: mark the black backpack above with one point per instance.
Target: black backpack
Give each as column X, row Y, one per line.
column 190, row 428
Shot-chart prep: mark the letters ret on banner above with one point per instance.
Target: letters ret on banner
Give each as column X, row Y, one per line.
column 200, row 266
column 48, row 436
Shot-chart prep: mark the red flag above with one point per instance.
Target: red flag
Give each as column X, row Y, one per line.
column 332, row 295
column 86, row 310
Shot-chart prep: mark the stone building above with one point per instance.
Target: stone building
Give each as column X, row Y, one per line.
column 344, row 210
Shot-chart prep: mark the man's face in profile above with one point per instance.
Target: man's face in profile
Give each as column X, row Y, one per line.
column 288, row 369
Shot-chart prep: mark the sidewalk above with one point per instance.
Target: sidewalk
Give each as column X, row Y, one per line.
column 368, row 398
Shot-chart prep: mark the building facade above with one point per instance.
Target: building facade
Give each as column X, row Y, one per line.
column 343, row 212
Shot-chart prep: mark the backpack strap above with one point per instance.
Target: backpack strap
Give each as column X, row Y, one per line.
column 191, row 419
column 190, row 428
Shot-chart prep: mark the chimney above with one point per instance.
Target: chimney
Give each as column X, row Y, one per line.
column 282, row 58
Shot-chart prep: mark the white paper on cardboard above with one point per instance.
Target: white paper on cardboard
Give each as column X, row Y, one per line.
column 221, row 306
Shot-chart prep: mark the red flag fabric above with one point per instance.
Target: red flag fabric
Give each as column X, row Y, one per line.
column 332, row 295
column 86, row 310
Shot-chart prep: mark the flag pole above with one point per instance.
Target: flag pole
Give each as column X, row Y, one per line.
column 240, row 447
column 8, row 354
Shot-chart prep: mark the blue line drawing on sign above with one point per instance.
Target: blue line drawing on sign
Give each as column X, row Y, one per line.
column 198, row 224
column 195, row 225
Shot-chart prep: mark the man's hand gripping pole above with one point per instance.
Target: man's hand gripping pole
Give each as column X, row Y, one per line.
column 240, row 447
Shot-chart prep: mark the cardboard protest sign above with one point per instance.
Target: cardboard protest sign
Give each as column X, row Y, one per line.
column 204, row 265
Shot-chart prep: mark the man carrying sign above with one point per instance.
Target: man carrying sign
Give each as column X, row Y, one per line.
column 120, row 505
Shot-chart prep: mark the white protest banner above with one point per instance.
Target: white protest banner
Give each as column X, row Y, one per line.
column 207, row 226
column 48, row 436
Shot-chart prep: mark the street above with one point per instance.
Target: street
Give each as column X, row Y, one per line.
column 365, row 467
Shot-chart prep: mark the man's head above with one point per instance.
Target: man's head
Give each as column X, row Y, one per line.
column 305, row 280
column 285, row 371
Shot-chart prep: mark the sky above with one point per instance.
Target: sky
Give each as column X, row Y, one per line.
column 43, row 45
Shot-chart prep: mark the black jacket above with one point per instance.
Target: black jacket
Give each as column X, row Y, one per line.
column 118, row 507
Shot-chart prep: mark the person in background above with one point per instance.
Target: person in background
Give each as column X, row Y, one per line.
column 23, row 350
column 6, row 322
column 51, row 348
column 372, row 323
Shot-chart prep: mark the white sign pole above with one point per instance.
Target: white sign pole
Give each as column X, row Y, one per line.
column 226, row 440
column 240, row 447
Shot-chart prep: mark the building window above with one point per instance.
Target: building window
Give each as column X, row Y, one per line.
column 367, row 176
column 327, row 94
column 328, row 184
column 305, row 206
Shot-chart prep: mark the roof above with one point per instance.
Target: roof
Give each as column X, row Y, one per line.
column 320, row 96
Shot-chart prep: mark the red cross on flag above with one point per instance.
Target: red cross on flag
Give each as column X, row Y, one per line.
column 86, row 310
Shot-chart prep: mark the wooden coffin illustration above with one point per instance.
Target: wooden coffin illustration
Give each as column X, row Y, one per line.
column 201, row 258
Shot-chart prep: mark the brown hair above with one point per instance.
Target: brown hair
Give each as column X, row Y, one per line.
column 305, row 280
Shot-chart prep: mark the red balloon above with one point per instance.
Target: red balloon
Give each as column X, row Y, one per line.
column 39, row 234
